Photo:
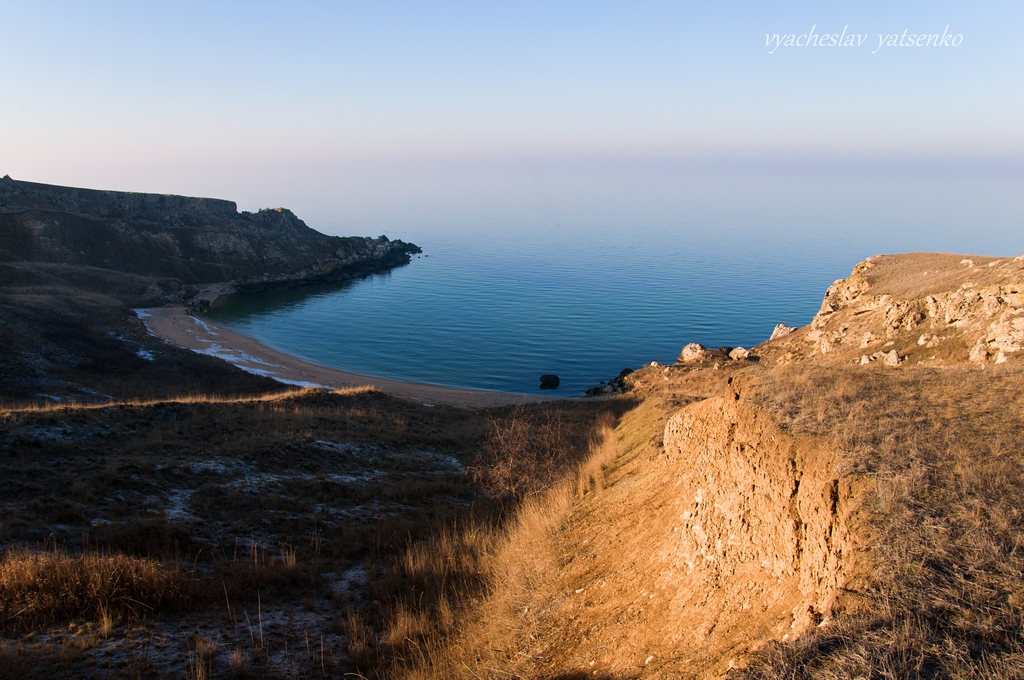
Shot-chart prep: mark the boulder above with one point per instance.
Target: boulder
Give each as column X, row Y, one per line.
column 892, row 358
column 780, row 330
column 693, row 352
column 549, row 381
column 739, row 353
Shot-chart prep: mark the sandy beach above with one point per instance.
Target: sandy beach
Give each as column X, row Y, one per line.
column 175, row 325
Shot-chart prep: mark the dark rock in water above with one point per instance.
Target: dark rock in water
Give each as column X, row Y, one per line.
column 549, row 381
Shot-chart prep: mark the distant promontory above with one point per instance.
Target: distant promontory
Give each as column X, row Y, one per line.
column 189, row 240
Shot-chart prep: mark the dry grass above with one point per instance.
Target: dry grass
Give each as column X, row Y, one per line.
column 530, row 450
column 459, row 598
column 25, row 661
column 945, row 448
column 191, row 399
column 40, row 588
column 281, row 497
column 202, row 651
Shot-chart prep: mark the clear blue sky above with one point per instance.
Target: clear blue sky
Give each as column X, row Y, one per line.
column 200, row 98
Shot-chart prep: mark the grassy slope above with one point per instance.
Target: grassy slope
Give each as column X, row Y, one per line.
column 475, row 575
column 282, row 508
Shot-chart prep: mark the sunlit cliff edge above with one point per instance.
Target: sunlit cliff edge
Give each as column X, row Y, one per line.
column 843, row 501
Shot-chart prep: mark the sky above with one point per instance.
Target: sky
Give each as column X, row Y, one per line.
column 325, row 105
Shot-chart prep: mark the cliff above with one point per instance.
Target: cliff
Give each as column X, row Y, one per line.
column 842, row 500
column 193, row 240
column 925, row 309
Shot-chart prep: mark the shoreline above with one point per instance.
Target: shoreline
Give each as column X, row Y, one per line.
column 176, row 326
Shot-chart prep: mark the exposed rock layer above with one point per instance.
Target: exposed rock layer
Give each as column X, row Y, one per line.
column 928, row 308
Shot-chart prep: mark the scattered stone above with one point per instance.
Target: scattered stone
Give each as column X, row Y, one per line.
column 780, row 330
column 693, row 352
column 739, row 354
column 865, row 360
column 616, row 385
column 867, row 339
column 979, row 353
column 892, row 358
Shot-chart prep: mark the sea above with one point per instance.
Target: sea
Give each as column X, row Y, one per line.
column 584, row 271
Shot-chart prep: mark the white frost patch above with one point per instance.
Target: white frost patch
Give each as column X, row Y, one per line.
column 144, row 353
column 351, row 581
column 177, row 502
column 341, row 447
column 142, row 315
column 443, row 463
column 213, row 465
column 253, row 483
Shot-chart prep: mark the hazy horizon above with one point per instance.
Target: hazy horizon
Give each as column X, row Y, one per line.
column 333, row 107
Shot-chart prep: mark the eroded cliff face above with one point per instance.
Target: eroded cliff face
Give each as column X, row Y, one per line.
column 764, row 520
column 194, row 240
column 723, row 535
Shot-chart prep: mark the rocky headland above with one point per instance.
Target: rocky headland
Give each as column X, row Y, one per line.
column 74, row 262
column 180, row 241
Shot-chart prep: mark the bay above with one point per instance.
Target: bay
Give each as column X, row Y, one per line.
column 610, row 272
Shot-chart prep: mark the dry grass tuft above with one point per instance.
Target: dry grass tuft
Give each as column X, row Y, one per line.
column 40, row 588
column 202, row 651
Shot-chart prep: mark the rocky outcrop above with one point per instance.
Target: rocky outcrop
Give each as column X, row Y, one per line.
column 780, row 330
column 193, row 240
column 973, row 302
column 617, row 385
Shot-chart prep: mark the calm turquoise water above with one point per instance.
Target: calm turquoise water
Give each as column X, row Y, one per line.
column 602, row 281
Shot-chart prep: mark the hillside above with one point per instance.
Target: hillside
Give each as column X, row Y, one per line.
column 193, row 240
column 842, row 501
column 73, row 262
column 822, row 508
